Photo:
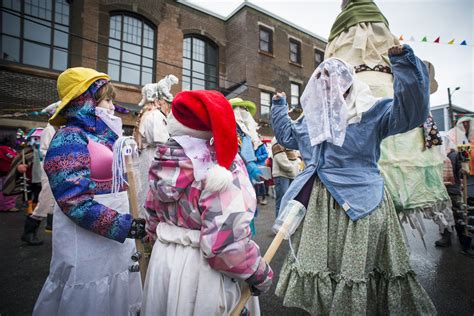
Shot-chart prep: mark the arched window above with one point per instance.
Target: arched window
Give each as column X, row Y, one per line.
column 35, row 32
column 131, row 49
column 200, row 63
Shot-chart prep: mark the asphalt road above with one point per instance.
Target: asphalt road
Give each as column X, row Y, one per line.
column 447, row 276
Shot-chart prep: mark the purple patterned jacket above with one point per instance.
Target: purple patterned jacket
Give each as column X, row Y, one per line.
column 223, row 218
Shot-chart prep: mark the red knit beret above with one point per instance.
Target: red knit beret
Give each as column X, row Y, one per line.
column 207, row 110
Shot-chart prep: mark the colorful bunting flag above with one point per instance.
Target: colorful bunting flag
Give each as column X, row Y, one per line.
column 437, row 40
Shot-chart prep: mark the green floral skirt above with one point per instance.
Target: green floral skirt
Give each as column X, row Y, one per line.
column 350, row 268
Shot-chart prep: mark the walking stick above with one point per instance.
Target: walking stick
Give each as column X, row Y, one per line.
column 123, row 148
column 295, row 214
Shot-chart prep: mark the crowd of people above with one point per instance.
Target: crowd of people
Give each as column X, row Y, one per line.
column 203, row 172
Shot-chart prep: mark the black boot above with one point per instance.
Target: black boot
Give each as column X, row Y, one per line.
column 469, row 252
column 49, row 223
column 466, row 246
column 445, row 241
column 29, row 233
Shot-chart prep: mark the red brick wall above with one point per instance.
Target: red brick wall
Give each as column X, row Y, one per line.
column 237, row 40
column 90, row 26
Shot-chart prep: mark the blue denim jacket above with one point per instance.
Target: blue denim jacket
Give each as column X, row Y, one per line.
column 350, row 173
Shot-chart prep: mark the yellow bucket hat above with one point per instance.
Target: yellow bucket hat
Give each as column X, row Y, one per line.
column 249, row 105
column 71, row 84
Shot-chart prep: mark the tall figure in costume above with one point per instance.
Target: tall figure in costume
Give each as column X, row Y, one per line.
column 45, row 206
column 462, row 133
column 200, row 206
column 412, row 169
column 349, row 255
column 150, row 128
column 91, row 247
column 251, row 148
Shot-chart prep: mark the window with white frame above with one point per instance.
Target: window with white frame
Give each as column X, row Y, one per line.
column 295, row 51
column 265, row 102
column 295, row 95
column 318, row 57
column 131, row 49
column 266, row 39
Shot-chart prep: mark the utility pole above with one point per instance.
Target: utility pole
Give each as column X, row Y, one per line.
column 450, row 109
column 450, row 106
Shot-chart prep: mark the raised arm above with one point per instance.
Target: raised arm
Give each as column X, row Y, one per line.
column 67, row 165
column 281, row 123
column 411, row 101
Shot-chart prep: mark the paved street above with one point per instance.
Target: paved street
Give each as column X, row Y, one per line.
column 447, row 276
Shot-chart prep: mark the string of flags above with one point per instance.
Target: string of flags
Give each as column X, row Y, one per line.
column 436, row 41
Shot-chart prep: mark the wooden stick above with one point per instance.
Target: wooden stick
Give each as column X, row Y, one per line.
column 269, row 254
column 132, row 195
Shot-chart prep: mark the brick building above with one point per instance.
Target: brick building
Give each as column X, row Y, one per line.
column 250, row 54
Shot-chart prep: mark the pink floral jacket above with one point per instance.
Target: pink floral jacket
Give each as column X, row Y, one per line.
column 223, row 218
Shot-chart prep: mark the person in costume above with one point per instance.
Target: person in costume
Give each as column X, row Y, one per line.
column 260, row 188
column 32, row 167
column 251, row 147
column 349, row 256
column 92, row 245
column 200, row 206
column 285, row 168
column 150, row 129
column 411, row 165
column 33, row 171
column 462, row 133
column 44, row 207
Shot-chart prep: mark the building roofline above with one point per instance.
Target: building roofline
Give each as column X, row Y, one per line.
column 455, row 107
column 257, row 8
column 199, row 8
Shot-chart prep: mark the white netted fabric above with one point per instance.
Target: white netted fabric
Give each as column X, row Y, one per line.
column 326, row 110
column 324, row 104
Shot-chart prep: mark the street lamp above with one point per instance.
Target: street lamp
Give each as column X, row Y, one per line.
column 450, row 105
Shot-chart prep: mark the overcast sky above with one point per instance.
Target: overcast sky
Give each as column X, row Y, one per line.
column 418, row 18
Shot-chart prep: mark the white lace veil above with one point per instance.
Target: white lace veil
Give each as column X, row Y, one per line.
column 327, row 112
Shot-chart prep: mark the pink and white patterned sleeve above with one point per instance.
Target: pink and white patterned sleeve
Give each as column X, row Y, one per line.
column 225, row 232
